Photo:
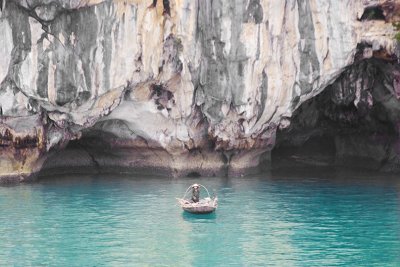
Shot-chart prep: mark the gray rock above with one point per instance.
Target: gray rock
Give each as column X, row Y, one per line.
column 183, row 86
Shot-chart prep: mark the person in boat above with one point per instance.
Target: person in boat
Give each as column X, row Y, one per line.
column 195, row 193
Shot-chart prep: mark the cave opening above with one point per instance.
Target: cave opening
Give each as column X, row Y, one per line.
column 110, row 147
column 85, row 155
column 353, row 123
column 373, row 13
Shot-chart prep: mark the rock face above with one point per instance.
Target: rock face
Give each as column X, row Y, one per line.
column 193, row 87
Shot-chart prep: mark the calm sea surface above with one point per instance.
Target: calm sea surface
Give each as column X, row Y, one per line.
column 294, row 219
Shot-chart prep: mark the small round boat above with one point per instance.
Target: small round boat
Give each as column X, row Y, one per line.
column 203, row 206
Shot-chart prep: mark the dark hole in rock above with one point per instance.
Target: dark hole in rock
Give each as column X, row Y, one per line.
column 360, row 51
column 373, row 13
column 317, row 150
column 127, row 94
column 167, row 9
column 169, row 95
column 156, row 90
column 254, row 12
column 163, row 98
column 79, row 156
column 104, row 149
column 193, row 174
column 352, row 123
column 179, row 66
column 92, row 153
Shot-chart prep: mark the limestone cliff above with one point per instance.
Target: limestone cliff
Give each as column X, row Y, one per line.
column 194, row 87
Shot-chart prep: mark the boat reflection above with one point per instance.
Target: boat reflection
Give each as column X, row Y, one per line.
column 199, row 218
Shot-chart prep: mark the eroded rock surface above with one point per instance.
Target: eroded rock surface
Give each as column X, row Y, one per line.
column 191, row 87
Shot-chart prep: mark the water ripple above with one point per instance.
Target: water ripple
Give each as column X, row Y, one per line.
column 261, row 221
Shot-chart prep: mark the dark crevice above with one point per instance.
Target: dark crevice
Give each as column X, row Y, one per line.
column 31, row 12
column 254, row 12
column 167, row 9
column 166, row 6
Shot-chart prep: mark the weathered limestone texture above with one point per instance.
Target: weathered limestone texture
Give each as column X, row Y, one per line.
column 179, row 87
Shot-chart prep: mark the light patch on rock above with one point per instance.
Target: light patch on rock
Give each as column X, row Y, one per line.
column 6, row 46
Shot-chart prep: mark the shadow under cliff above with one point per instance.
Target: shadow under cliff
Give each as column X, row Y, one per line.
column 353, row 123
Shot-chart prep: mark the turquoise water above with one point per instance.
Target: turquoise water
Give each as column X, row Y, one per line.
column 267, row 220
